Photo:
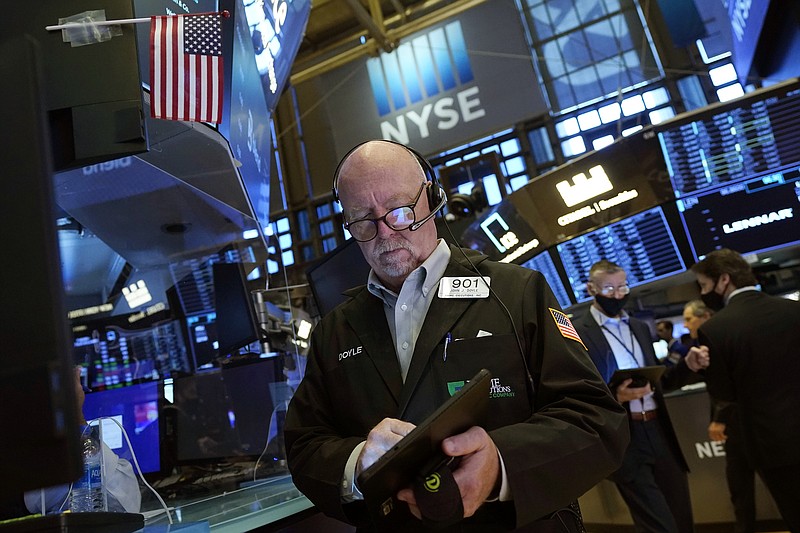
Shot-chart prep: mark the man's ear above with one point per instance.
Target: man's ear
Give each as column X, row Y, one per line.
column 590, row 288
column 725, row 278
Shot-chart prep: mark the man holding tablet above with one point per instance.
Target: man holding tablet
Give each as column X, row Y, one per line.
column 430, row 317
column 652, row 479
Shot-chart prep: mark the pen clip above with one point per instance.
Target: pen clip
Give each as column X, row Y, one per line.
column 447, row 340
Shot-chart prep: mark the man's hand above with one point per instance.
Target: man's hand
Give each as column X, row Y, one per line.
column 716, row 432
column 380, row 439
column 477, row 476
column 697, row 358
column 626, row 393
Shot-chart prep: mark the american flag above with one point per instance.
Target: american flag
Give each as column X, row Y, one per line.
column 186, row 67
column 565, row 326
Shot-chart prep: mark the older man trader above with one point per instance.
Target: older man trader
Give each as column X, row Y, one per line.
column 380, row 363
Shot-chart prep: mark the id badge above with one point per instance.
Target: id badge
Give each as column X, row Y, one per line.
column 464, row 287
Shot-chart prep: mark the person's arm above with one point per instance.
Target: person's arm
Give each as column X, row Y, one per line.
column 55, row 500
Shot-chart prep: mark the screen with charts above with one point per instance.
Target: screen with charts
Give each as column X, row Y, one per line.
column 135, row 408
column 643, row 245
column 752, row 216
column 544, row 264
column 750, row 137
column 123, row 349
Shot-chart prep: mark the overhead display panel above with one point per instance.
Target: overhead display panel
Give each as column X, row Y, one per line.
column 749, row 137
column 503, row 235
column 643, row 245
column 626, row 177
column 544, row 263
column 276, row 31
column 749, row 217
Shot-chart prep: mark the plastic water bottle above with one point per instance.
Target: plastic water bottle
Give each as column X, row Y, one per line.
column 87, row 494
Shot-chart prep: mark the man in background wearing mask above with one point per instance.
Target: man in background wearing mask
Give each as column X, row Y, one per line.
column 652, row 479
column 754, row 339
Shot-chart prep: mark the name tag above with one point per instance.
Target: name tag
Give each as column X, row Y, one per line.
column 466, row 287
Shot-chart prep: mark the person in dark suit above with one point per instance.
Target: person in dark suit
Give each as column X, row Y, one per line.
column 753, row 341
column 652, row 479
column 675, row 348
column 382, row 361
column 724, row 427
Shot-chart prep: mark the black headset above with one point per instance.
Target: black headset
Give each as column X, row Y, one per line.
column 435, row 193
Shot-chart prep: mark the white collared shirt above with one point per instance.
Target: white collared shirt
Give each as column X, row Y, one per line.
column 626, row 349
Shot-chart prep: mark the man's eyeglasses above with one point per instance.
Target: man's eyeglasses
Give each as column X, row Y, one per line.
column 608, row 290
column 398, row 219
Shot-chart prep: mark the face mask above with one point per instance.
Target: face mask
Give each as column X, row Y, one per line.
column 611, row 306
column 713, row 300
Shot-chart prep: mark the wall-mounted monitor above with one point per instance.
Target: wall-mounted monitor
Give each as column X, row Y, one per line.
column 642, row 244
column 752, row 216
column 596, row 189
column 544, row 263
column 752, row 136
column 136, row 408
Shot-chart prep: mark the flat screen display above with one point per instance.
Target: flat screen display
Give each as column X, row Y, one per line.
column 752, row 216
column 235, row 314
column 502, row 234
column 753, row 136
column 121, row 350
column 543, row 262
column 643, row 245
column 136, row 408
column 339, row 270
column 596, row 189
column 231, row 412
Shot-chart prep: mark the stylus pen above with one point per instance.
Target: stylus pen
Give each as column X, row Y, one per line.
column 447, row 339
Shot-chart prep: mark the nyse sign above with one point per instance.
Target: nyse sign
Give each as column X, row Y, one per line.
column 442, row 114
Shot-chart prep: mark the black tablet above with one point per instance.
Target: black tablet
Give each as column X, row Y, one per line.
column 640, row 376
column 397, row 468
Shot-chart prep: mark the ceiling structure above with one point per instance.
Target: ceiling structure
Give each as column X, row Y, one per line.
column 340, row 31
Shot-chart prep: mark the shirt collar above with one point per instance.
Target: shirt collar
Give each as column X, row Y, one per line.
column 740, row 290
column 426, row 276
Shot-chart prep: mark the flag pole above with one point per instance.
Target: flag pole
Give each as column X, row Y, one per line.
column 225, row 14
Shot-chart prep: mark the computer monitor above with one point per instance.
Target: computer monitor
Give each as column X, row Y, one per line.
column 341, row 269
column 231, row 413
column 643, row 245
column 136, row 408
column 236, row 321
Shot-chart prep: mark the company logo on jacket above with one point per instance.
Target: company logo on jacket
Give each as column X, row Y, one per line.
column 350, row 353
column 498, row 390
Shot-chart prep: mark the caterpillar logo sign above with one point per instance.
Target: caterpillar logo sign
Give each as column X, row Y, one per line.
column 446, row 85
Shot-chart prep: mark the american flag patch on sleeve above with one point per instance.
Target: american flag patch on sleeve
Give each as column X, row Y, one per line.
column 565, row 326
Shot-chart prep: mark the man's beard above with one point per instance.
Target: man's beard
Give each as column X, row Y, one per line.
column 392, row 266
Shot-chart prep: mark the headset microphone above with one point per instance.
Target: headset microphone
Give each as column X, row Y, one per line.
column 416, row 225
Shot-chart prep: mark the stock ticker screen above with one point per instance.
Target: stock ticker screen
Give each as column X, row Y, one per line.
column 544, row 264
column 752, row 136
column 643, row 245
column 752, row 216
